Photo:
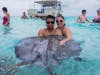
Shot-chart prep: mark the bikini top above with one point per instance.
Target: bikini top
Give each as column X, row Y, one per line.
column 61, row 30
column 96, row 19
column 5, row 19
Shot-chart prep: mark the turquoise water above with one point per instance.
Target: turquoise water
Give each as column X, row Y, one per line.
column 87, row 34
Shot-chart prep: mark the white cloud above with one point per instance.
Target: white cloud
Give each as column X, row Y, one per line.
column 74, row 8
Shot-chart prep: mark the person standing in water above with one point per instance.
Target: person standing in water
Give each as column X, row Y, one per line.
column 24, row 16
column 6, row 17
column 82, row 18
column 49, row 30
column 63, row 30
column 97, row 18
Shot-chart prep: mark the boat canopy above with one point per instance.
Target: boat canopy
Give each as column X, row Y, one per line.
column 48, row 2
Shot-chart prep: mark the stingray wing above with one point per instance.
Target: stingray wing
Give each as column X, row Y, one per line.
column 70, row 49
column 24, row 48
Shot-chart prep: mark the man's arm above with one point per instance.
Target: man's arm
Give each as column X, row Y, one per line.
column 40, row 33
column 87, row 20
column 77, row 19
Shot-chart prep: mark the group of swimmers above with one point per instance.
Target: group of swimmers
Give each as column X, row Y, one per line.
column 61, row 28
column 50, row 30
column 81, row 19
column 6, row 17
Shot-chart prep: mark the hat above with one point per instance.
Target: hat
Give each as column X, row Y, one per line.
column 98, row 9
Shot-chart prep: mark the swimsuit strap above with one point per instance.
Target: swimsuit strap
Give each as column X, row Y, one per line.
column 62, row 30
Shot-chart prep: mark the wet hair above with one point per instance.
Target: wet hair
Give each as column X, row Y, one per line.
column 60, row 15
column 83, row 10
column 4, row 9
column 50, row 16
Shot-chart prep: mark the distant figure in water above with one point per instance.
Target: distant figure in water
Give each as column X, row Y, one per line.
column 82, row 18
column 24, row 16
column 6, row 17
column 97, row 18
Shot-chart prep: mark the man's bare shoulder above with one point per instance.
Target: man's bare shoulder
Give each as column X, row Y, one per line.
column 42, row 30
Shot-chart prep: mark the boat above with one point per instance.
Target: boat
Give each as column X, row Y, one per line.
column 48, row 7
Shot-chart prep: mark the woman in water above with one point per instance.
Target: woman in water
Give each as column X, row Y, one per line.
column 62, row 30
column 97, row 18
column 6, row 18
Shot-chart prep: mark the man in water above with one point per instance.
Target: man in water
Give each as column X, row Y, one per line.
column 82, row 18
column 24, row 16
column 49, row 30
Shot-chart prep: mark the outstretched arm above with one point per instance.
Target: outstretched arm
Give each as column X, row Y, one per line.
column 87, row 20
column 77, row 19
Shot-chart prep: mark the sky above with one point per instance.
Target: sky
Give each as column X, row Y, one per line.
column 69, row 7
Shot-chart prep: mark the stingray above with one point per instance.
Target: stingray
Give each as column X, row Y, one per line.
column 45, row 51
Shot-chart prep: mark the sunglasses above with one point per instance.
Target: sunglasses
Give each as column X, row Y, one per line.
column 59, row 21
column 48, row 22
